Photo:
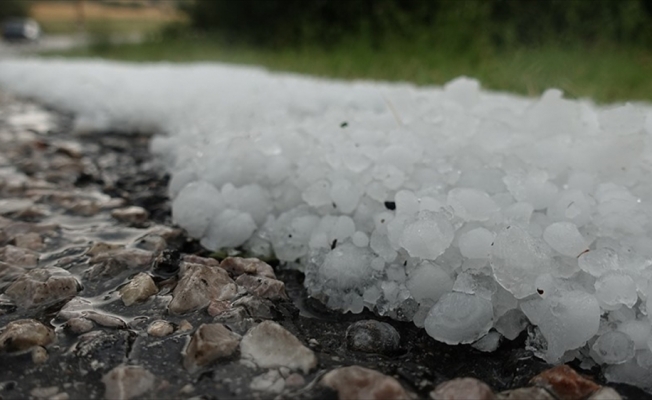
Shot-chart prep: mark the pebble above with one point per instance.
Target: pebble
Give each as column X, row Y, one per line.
column 130, row 257
column 160, row 328
column 79, row 325
column 9, row 273
column 362, row 383
column 184, row 326
column 255, row 306
column 463, row 389
column 266, row 288
column 140, row 288
column 39, row 355
column 605, row 393
column 565, row 383
column 132, row 215
column 44, row 392
column 270, row 382
column 210, row 342
column 43, row 286
column 372, row 336
column 269, row 345
column 30, row 241
column 126, row 382
column 251, row 266
column 24, row 334
column 217, row 307
column 295, row 380
column 105, row 320
column 526, row 393
column 198, row 286
column 18, row 256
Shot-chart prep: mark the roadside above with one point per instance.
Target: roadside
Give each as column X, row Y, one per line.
column 102, row 293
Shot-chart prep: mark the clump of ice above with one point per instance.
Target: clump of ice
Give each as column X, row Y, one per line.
column 455, row 208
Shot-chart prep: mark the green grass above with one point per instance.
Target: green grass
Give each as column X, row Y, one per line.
column 605, row 74
column 56, row 27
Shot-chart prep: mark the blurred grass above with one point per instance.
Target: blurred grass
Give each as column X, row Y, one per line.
column 603, row 73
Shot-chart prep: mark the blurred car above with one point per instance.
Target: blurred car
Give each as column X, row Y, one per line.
column 18, row 29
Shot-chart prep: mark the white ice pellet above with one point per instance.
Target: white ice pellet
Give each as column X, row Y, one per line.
column 614, row 347
column 476, row 243
column 195, row 205
column 459, row 318
column 427, row 235
column 471, row 204
column 565, row 238
column 599, row 261
column 614, row 289
column 429, row 282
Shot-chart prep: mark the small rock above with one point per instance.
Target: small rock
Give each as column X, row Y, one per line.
column 126, row 382
column 195, row 259
column 43, row 286
column 79, row 325
column 160, row 328
column 19, row 257
column 372, row 337
column 361, row 383
column 60, row 396
column 138, row 289
column 105, row 320
column 44, row 392
column 39, row 355
column 30, row 241
column 24, row 334
column 463, row 389
column 151, row 242
column 86, row 208
column 209, row 343
column 251, row 266
column 269, row 345
column 255, row 306
column 526, row 393
column 217, row 307
column 198, row 286
column 187, row 389
column 605, row 393
column 132, row 215
column 565, row 383
column 102, row 247
column 270, row 382
column 266, row 288
column 295, row 380
column 131, row 257
column 184, row 326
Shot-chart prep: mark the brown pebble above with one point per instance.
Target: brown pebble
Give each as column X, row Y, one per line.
column 126, row 382
column 24, row 334
column 217, row 307
column 526, row 393
column 130, row 215
column 252, row 266
column 79, row 325
column 160, row 328
column 362, row 383
column 139, row 289
column 31, row 241
column 209, row 343
column 39, row 355
column 565, row 383
column 184, row 326
column 463, row 389
column 261, row 286
column 295, row 380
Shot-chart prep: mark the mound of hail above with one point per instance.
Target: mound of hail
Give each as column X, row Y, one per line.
column 468, row 212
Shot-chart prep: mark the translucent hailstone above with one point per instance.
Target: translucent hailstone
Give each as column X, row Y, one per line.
column 346, row 266
column 251, row 199
column 566, row 319
column 614, row 289
column 318, row 193
column 573, row 206
column 519, row 213
column 637, row 330
column 471, row 204
column 511, row 324
column 290, row 233
column 360, row 239
column 599, row 261
column 488, row 342
column 230, row 228
column 345, row 195
column 614, row 347
column 518, row 259
column 427, row 235
column 476, row 243
column 195, row 205
column 459, row 318
column 463, row 90
column 531, row 187
column 564, row 238
column 428, row 281
column 489, row 180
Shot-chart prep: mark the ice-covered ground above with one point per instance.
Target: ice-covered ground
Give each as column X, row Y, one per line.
column 465, row 211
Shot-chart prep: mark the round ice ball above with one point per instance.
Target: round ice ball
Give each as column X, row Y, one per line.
column 564, row 238
column 476, row 243
column 346, row 266
column 428, row 235
column 195, row 205
column 599, row 261
column 615, row 289
column 428, row 281
column 459, row 318
column 472, row 204
column 614, row 347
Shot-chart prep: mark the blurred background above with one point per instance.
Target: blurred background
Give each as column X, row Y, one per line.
column 600, row 49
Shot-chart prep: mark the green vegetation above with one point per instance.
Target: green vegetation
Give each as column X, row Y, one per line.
column 603, row 73
column 601, row 49
column 12, row 8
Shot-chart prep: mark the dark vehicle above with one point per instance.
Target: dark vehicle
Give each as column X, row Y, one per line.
column 20, row 29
